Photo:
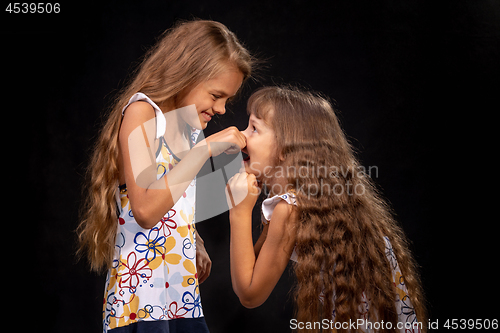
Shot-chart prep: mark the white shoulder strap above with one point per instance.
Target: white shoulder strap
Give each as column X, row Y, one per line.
column 269, row 204
column 161, row 124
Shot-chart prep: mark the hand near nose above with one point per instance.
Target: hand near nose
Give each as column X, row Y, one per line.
column 229, row 141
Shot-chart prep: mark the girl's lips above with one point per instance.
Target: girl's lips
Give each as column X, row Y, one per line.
column 246, row 157
column 206, row 116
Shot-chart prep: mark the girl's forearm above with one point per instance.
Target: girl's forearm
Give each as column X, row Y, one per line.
column 179, row 178
column 162, row 194
column 242, row 255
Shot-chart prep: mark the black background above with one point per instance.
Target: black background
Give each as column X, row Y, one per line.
column 416, row 84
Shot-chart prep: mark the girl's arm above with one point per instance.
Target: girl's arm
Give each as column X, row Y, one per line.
column 254, row 277
column 151, row 199
column 261, row 240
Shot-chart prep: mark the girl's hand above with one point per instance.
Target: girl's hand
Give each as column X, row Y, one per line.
column 242, row 192
column 203, row 262
column 229, row 141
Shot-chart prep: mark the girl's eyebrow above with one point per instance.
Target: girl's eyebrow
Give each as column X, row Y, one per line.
column 222, row 93
column 255, row 120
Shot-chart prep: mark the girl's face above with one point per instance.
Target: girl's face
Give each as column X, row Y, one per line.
column 261, row 142
column 210, row 97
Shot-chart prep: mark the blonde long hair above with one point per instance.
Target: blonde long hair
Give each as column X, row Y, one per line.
column 184, row 56
column 339, row 232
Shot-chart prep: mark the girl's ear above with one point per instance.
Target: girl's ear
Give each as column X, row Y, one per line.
column 279, row 154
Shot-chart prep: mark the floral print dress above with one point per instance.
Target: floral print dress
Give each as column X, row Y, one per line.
column 152, row 284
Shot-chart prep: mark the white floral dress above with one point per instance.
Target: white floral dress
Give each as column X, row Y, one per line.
column 153, row 283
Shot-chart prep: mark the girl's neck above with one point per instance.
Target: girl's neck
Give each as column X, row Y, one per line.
column 277, row 186
column 176, row 135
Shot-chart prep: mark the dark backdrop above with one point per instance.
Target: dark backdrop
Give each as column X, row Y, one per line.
column 415, row 82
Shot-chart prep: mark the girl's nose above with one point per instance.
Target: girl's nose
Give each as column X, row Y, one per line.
column 245, row 134
column 219, row 108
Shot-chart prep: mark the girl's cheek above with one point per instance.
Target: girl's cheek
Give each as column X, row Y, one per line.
column 249, row 146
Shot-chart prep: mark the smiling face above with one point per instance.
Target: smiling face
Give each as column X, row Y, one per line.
column 210, row 97
column 261, row 151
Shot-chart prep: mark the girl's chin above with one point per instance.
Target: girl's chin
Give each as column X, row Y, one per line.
column 198, row 124
column 249, row 170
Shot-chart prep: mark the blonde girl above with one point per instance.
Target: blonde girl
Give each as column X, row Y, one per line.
column 351, row 260
column 138, row 218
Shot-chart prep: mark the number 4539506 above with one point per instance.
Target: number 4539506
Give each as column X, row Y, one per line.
column 454, row 324
column 39, row 8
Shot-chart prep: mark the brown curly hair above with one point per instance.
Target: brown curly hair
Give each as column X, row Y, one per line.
column 342, row 219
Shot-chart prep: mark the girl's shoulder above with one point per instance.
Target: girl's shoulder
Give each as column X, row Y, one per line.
column 269, row 204
column 138, row 113
column 141, row 110
column 140, row 100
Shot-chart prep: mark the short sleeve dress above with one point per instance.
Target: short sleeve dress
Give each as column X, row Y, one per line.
column 152, row 285
column 406, row 313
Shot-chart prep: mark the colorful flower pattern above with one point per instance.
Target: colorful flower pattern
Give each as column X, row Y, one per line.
column 154, row 271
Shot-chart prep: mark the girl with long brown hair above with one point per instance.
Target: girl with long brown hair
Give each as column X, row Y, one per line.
column 138, row 217
column 354, row 271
